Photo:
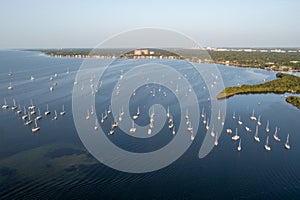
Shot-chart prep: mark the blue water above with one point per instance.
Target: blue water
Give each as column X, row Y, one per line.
column 54, row 164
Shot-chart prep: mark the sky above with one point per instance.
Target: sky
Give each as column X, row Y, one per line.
column 215, row 23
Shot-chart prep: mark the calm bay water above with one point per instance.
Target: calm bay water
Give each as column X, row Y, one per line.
column 55, row 164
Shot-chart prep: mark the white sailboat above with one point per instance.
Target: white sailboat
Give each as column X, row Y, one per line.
column 32, row 112
column 192, row 136
column 239, row 148
column 190, row 128
column 287, row 144
column 39, row 115
column 240, row 121
column 109, row 110
column 256, row 138
column 87, row 117
column 24, row 114
column 115, row 123
column 276, row 138
column 5, row 105
column 219, row 115
column 207, row 125
column 31, row 107
column 149, row 131
column 132, row 129
column 29, row 121
column 216, row 143
column 267, row 147
column 102, row 118
column 236, row 136
column 19, row 111
column 47, row 112
column 212, row 133
column 252, row 116
column 96, row 127
column 187, row 114
column 258, row 121
column 168, row 112
column 36, row 127
column 135, row 117
column 173, row 131
column 63, row 110
column 55, row 115
column 92, row 110
column 233, row 115
column 202, row 113
column 10, row 87
column 228, row 131
column 267, row 127
column 248, row 129
column 14, row 107
column 32, row 78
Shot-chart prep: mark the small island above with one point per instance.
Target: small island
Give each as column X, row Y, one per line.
column 294, row 100
column 283, row 83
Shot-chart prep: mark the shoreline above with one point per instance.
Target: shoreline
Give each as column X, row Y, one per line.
column 167, row 57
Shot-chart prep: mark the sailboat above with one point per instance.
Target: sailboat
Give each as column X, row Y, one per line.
column 47, row 112
column 240, row 146
column 212, row 131
column 286, row 144
column 102, row 118
column 55, row 115
column 239, row 121
column 252, row 116
column 133, row 129
column 115, row 123
column 173, row 131
column 216, row 140
column 14, row 107
column 190, row 128
column 207, row 125
column 32, row 78
column 109, row 110
column 202, row 113
column 39, row 115
column 19, row 111
column 149, row 131
column 25, row 114
column 187, row 114
column 10, row 87
column 63, row 110
column 171, row 124
column 267, row 128
column 236, row 136
column 267, row 147
column 168, row 112
column 192, row 136
column 5, row 105
column 219, row 115
column 29, row 121
column 96, row 125
column 111, row 132
column 135, row 117
column 256, row 138
column 228, row 131
column 87, row 115
column 35, row 128
column 92, row 110
column 32, row 112
column 31, row 107
column 248, row 129
column 233, row 115
column 258, row 121
column 276, row 135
